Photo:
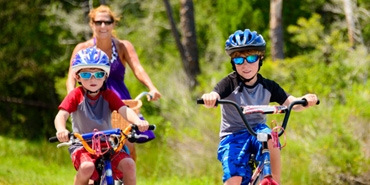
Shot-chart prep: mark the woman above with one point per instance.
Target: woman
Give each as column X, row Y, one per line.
column 120, row 52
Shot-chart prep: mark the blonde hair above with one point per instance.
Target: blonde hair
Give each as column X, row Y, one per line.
column 103, row 9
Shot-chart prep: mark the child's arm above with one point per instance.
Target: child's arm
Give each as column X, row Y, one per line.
column 311, row 101
column 60, row 125
column 210, row 99
column 132, row 117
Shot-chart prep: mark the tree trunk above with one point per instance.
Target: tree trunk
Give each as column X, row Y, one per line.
column 188, row 47
column 87, row 5
column 276, row 29
column 354, row 34
column 189, row 40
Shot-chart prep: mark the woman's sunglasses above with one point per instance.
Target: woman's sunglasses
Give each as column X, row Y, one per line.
column 250, row 59
column 87, row 75
column 99, row 23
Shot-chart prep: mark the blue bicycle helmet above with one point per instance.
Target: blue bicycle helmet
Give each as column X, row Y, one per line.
column 247, row 40
column 91, row 58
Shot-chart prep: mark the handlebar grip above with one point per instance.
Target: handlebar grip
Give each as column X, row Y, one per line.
column 151, row 127
column 53, row 139
column 305, row 102
column 200, row 101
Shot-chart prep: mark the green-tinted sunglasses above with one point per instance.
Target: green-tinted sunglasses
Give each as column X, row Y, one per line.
column 88, row 75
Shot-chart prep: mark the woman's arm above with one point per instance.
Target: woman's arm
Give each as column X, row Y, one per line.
column 133, row 61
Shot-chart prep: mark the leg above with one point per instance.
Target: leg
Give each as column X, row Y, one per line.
column 235, row 180
column 233, row 153
column 275, row 162
column 128, row 167
column 84, row 173
column 131, row 148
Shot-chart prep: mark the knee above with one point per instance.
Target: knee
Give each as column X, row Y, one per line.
column 127, row 165
column 86, row 168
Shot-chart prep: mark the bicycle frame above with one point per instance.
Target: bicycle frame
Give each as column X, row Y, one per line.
column 103, row 164
column 262, row 174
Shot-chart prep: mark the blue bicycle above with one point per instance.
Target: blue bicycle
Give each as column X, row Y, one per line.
column 114, row 139
column 261, row 168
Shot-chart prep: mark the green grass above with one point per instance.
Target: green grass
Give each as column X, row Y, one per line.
column 33, row 163
column 29, row 163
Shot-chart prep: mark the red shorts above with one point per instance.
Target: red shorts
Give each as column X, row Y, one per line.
column 81, row 155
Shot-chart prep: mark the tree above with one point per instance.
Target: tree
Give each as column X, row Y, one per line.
column 30, row 53
column 354, row 33
column 188, row 47
column 276, row 29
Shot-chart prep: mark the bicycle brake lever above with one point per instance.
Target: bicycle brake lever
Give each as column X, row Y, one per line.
column 139, row 136
column 134, row 137
column 69, row 143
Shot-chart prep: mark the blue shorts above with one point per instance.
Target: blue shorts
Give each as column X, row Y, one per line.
column 234, row 151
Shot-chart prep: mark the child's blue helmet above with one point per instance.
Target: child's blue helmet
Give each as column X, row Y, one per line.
column 91, row 57
column 244, row 40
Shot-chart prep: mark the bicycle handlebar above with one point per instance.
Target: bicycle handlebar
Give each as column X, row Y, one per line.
column 142, row 94
column 278, row 109
column 128, row 133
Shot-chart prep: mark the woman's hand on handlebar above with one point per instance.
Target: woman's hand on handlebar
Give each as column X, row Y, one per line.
column 153, row 95
column 210, row 99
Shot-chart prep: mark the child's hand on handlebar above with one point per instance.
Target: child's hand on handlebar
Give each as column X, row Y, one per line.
column 62, row 135
column 142, row 125
column 311, row 99
column 210, row 99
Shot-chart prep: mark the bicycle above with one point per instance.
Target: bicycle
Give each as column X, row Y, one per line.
column 113, row 141
column 261, row 169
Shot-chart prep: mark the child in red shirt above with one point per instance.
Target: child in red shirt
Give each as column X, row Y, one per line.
column 90, row 107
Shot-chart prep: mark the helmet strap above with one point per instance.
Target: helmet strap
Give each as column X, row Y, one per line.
column 92, row 92
column 243, row 81
column 104, row 87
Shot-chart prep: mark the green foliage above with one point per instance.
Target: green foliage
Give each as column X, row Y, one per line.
column 29, row 66
column 308, row 32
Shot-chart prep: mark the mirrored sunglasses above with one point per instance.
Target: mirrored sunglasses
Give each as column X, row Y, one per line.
column 99, row 23
column 250, row 59
column 88, row 75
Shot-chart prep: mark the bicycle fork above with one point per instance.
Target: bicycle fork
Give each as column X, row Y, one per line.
column 265, row 166
column 107, row 173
